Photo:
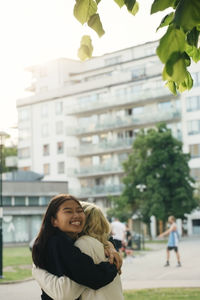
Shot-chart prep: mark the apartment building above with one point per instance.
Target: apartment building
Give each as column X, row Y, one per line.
column 82, row 118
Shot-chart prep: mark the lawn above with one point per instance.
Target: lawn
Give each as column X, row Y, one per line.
column 17, row 263
column 164, row 294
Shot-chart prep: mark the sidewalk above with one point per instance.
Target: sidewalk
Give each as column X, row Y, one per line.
column 147, row 271
column 143, row 271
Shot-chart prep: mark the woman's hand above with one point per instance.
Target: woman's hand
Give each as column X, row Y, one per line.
column 113, row 256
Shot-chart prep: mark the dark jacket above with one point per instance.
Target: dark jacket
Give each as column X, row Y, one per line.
column 63, row 258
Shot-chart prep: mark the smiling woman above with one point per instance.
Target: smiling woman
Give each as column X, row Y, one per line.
column 55, row 252
column 70, row 218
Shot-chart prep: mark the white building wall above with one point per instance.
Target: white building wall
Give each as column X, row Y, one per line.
column 130, row 78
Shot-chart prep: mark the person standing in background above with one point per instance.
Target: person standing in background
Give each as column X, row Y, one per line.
column 173, row 240
column 118, row 230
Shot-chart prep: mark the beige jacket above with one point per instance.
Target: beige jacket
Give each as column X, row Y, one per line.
column 63, row 288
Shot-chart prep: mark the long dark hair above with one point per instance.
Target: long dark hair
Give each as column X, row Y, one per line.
column 47, row 229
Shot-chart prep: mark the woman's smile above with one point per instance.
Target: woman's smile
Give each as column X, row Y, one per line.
column 70, row 218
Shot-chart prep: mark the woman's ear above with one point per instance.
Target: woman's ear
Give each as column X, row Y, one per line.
column 53, row 222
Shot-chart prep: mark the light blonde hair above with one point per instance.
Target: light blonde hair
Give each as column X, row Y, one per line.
column 96, row 224
column 172, row 218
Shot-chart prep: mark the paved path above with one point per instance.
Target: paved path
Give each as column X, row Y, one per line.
column 147, row 271
column 143, row 271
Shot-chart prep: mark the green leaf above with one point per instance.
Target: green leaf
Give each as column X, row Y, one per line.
column 84, row 9
column 166, row 20
column 175, row 56
column 193, row 52
column 187, row 14
column 97, row 1
column 120, row 2
column 159, row 5
column 187, row 84
column 193, row 37
column 86, row 48
column 130, row 4
column 172, row 41
column 179, row 71
column 135, row 9
column 95, row 23
column 172, row 86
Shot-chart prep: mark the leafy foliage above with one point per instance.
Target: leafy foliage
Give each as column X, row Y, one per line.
column 8, row 152
column 157, row 161
column 177, row 46
column 121, row 209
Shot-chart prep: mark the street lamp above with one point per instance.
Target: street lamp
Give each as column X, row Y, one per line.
column 141, row 187
column 3, row 136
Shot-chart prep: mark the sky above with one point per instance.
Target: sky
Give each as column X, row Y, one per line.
column 35, row 31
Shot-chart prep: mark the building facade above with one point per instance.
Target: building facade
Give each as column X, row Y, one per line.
column 25, row 198
column 81, row 121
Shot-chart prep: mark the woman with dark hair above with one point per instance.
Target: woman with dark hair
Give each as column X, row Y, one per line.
column 54, row 248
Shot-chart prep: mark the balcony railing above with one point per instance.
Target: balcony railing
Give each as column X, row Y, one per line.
column 98, row 190
column 102, row 147
column 102, row 169
column 118, row 100
column 126, row 121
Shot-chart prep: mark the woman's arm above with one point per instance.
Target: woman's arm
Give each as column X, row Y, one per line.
column 58, row 288
column 66, row 259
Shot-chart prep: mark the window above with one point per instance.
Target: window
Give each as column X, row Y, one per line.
column 20, row 201
column 59, row 108
column 195, row 173
column 24, row 153
column 44, row 200
column 46, row 149
column 138, row 110
column 60, row 147
column 196, row 79
column 164, row 105
column 25, row 168
column 24, row 114
column 46, row 169
column 33, row 201
column 45, row 130
column 138, row 73
column 7, row 201
column 128, row 133
column 193, row 103
column 24, row 134
column 195, row 150
column 44, row 110
column 61, row 167
column 193, row 127
column 59, row 127
column 128, row 112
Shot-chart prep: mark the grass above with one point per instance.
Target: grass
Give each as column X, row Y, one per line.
column 164, row 294
column 17, row 263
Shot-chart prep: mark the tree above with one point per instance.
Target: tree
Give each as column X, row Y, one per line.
column 157, row 161
column 8, row 151
column 121, row 209
column 177, row 46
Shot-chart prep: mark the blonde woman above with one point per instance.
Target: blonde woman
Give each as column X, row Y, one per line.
column 93, row 240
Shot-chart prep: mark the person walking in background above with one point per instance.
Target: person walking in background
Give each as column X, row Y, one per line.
column 173, row 240
column 92, row 241
column 118, row 231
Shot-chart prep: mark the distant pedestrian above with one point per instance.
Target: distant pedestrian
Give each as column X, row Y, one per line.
column 118, row 230
column 173, row 240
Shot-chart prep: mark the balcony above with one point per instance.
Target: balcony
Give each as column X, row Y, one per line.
column 97, row 170
column 98, row 191
column 104, row 103
column 102, row 147
column 111, row 123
